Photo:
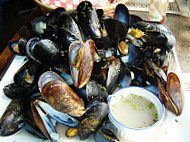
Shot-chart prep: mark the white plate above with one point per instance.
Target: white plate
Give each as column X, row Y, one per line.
column 170, row 131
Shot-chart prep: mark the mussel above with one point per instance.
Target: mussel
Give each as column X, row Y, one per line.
column 59, row 95
column 12, row 119
column 149, row 26
column 28, row 74
column 107, row 133
column 172, row 96
column 81, row 60
column 88, row 19
column 39, row 50
column 91, row 119
column 122, row 14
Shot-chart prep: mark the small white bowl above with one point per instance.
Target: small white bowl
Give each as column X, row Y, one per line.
column 129, row 133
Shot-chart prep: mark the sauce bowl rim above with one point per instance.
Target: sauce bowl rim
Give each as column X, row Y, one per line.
column 139, row 129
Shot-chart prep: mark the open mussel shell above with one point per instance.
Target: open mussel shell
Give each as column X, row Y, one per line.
column 113, row 73
column 174, row 91
column 124, row 79
column 73, row 53
column 152, row 26
column 81, row 60
column 30, row 124
column 171, row 93
column 43, row 122
column 58, row 116
column 130, row 55
column 12, row 119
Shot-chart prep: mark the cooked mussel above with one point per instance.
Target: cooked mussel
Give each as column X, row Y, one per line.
column 129, row 54
column 68, row 30
column 81, row 60
column 157, row 27
column 106, row 133
column 113, row 73
column 18, row 47
column 39, row 50
column 91, row 119
column 122, row 14
column 12, row 119
column 116, row 30
column 44, row 123
column 30, row 124
column 28, row 74
column 171, row 94
column 14, row 91
column 88, row 19
column 59, row 95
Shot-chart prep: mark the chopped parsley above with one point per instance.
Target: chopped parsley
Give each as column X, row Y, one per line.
column 150, row 106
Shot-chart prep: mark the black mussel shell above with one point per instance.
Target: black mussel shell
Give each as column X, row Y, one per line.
column 54, row 15
column 154, row 39
column 13, row 118
column 18, row 47
column 133, row 57
column 68, row 31
column 122, row 14
column 152, row 26
column 88, row 19
column 50, row 33
column 100, row 13
column 91, row 119
column 28, row 74
column 116, row 30
column 14, row 91
column 30, row 124
column 134, row 19
column 107, row 133
column 43, row 51
column 70, row 24
column 142, row 79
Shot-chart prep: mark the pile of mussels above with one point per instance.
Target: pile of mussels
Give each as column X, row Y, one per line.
column 74, row 59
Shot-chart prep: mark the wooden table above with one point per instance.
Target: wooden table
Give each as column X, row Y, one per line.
column 7, row 56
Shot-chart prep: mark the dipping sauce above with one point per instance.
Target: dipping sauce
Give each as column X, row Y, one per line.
column 134, row 111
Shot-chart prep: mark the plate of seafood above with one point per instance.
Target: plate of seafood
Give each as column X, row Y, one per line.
column 68, row 68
